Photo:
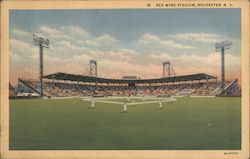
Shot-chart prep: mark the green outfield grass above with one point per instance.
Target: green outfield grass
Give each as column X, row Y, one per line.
column 69, row 124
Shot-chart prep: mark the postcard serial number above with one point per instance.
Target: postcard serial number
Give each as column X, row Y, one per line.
column 231, row 153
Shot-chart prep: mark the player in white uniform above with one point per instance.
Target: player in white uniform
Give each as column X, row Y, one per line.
column 128, row 98
column 92, row 104
column 160, row 104
column 125, row 107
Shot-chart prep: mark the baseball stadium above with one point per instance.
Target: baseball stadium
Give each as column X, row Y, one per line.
column 173, row 110
column 69, row 111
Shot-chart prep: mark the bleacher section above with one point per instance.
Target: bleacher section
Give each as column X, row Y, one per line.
column 69, row 90
column 73, row 85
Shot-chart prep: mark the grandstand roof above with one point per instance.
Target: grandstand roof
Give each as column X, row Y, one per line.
column 82, row 78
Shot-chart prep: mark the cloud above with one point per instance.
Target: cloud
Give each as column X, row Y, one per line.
column 117, row 69
column 80, row 59
column 154, row 39
column 106, row 38
column 20, row 32
column 200, row 37
column 212, row 59
column 172, row 44
column 162, row 56
column 76, row 35
column 115, row 64
column 73, row 47
column 14, row 57
column 50, row 31
column 72, row 33
column 127, row 62
column 148, row 38
column 66, row 49
column 74, row 30
column 67, row 45
column 25, row 72
column 103, row 40
column 122, row 55
column 64, row 43
column 22, row 48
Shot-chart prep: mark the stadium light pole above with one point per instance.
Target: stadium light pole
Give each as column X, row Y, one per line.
column 222, row 46
column 166, row 69
column 42, row 43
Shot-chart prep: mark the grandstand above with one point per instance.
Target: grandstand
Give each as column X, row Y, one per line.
column 70, row 85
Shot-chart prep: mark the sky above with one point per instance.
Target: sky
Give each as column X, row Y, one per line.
column 124, row 41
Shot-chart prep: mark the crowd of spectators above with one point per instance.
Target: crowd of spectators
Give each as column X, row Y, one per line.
column 71, row 89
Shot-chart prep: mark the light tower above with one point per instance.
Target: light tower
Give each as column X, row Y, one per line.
column 222, row 46
column 42, row 43
column 93, row 68
column 166, row 69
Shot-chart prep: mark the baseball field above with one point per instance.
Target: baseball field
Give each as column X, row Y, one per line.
column 69, row 124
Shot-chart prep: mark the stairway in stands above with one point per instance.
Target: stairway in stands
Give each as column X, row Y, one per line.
column 218, row 90
column 29, row 86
